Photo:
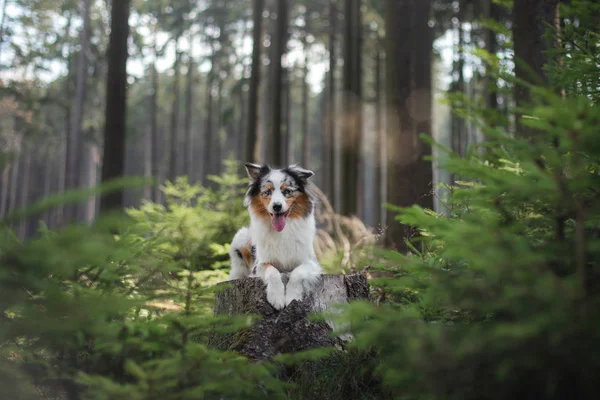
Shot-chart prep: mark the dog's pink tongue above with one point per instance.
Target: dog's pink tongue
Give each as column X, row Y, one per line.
column 278, row 221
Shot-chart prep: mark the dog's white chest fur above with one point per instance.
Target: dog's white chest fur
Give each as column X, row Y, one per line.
column 285, row 250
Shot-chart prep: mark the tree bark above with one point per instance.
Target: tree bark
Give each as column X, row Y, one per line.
column 352, row 123
column 62, row 211
column 330, row 132
column 74, row 140
column 240, row 136
column 459, row 133
column 217, row 145
column 290, row 138
column 48, row 172
column 5, row 189
column 209, row 129
column 358, row 81
column 530, row 24
column 14, row 177
column 155, row 159
column 377, row 159
column 173, row 172
column 61, row 175
column 408, row 76
column 421, row 103
column 289, row 330
column 287, row 131
column 280, row 44
column 491, row 43
column 253, row 100
column 24, row 186
column 2, row 24
column 189, row 104
column 305, row 132
column 148, row 161
column 113, row 162
column 91, row 179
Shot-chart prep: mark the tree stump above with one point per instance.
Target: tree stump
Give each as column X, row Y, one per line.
column 288, row 330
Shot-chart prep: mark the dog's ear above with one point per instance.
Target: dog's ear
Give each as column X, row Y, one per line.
column 254, row 170
column 303, row 174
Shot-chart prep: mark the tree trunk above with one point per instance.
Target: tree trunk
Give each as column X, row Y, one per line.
column 331, row 102
column 287, row 133
column 113, row 162
column 24, row 186
column 280, row 45
column 239, row 138
column 2, row 25
column 62, row 211
column 155, row 159
column 377, row 158
column 289, row 330
column 408, row 80
column 352, row 124
column 175, row 114
column 148, row 161
column 492, row 48
column 74, row 138
column 458, row 133
column 531, row 47
column 253, row 100
column 48, row 165
column 61, row 172
column 319, row 135
column 358, row 127
column 5, row 189
column 189, row 104
column 14, row 178
column 305, row 132
column 13, row 191
column 91, row 179
column 240, row 142
column 217, row 145
column 209, row 129
column 421, row 104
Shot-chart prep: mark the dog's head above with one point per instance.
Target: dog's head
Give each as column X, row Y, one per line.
column 279, row 194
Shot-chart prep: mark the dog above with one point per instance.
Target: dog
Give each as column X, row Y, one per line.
column 281, row 234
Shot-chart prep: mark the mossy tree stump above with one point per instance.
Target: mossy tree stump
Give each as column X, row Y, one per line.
column 288, row 330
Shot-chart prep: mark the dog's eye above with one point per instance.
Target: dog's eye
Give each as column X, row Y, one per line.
column 267, row 192
column 286, row 192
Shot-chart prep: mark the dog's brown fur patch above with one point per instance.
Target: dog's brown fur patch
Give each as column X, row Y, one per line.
column 247, row 255
column 299, row 206
column 259, row 206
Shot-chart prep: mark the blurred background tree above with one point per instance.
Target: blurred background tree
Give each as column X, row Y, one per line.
column 195, row 94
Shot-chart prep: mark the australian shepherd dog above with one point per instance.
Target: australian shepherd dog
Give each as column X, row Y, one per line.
column 281, row 233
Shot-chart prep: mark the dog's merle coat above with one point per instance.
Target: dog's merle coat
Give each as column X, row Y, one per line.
column 281, row 233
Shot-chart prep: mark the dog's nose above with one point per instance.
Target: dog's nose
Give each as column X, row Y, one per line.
column 277, row 207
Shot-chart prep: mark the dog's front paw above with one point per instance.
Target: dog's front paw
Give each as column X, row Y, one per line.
column 294, row 291
column 276, row 295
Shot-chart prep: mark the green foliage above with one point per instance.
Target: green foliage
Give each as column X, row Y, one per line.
column 73, row 197
column 499, row 298
column 576, row 68
column 197, row 223
column 128, row 315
